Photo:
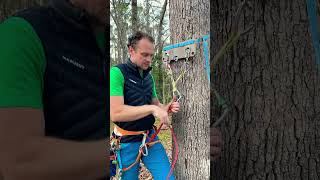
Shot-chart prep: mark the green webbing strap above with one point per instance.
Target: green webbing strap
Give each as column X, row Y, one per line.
column 221, row 102
column 226, row 47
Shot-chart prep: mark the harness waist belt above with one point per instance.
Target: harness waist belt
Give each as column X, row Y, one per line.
column 122, row 132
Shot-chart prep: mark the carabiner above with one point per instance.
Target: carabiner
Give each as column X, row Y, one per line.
column 144, row 145
column 177, row 94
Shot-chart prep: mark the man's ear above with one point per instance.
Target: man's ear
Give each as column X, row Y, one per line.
column 130, row 49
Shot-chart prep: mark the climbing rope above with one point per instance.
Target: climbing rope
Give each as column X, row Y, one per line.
column 231, row 42
column 175, row 92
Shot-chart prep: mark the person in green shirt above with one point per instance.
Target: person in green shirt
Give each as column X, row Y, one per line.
column 134, row 105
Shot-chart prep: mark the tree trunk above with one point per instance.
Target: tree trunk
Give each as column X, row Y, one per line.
column 147, row 17
column 134, row 15
column 271, row 82
column 160, row 28
column 190, row 20
column 158, row 48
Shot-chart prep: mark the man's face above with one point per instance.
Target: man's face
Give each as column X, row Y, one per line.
column 143, row 53
column 98, row 10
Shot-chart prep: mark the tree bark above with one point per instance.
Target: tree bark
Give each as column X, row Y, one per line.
column 134, row 15
column 159, row 45
column 147, row 15
column 190, row 20
column 271, row 82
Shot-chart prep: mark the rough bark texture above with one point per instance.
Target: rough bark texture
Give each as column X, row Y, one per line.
column 271, row 80
column 134, row 16
column 188, row 20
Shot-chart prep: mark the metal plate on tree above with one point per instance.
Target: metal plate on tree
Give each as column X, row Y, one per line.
column 180, row 52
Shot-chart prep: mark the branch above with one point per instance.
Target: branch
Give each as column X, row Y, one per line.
column 163, row 11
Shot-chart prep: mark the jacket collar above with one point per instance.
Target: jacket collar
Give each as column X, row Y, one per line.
column 134, row 67
column 70, row 13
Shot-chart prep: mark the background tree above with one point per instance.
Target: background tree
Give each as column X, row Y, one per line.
column 134, row 14
column 120, row 15
column 190, row 20
column 271, row 82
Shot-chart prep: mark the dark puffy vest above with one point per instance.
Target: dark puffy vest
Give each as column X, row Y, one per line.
column 137, row 92
column 76, row 93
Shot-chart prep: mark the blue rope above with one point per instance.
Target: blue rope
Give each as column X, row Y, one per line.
column 312, row 13
column 195, row 41
column 206, row 55
column 185, row 43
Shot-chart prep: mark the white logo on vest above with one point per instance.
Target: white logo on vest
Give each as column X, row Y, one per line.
column 73, row 62
column 132, row 81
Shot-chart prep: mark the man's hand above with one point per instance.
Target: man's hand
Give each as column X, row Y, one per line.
column 215, row 143
column 161, row 114
column 26, row 153
column 173, row 106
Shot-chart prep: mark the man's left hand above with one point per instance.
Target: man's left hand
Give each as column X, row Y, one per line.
column 173, row 106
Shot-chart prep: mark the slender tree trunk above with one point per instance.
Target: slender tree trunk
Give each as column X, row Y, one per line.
column 134, row 15
column 147, row 16
column 160, row 27
column 271, row 81
column 188, row 20
column 159, row 45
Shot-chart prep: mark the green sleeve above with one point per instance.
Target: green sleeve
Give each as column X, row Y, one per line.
column 154, row 91
column 22, row 64
column 116, row 82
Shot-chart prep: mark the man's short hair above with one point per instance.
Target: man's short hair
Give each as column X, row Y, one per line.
column 136, row 37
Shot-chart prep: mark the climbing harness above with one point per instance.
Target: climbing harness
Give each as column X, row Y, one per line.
column 115, row 146
column 314, row 27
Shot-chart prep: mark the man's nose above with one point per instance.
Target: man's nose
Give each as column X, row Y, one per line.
column 149, row 58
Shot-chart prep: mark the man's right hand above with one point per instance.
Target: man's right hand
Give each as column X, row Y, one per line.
column 26, row 153
column 215, row 143
column 161, row 114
